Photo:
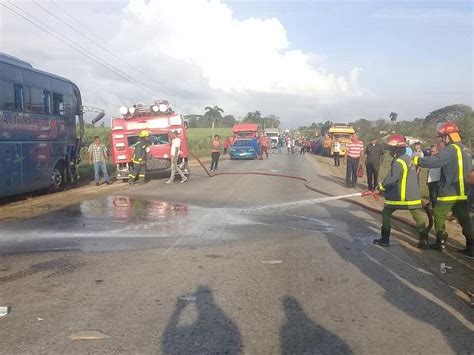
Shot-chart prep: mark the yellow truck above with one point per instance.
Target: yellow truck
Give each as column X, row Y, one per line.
column 343, row 133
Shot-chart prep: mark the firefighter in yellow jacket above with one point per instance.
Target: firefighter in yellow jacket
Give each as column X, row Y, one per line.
column 455, row 161
column 401, row 191
column 139, row 158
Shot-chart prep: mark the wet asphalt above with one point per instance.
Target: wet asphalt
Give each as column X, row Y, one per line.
column 221, row 265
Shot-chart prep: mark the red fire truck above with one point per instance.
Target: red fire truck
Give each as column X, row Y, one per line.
column 159, row 120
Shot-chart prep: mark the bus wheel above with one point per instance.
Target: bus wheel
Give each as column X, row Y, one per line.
column 57, row 178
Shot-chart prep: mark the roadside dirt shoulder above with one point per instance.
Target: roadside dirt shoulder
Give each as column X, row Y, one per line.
column 28, row 206
column 460, row 278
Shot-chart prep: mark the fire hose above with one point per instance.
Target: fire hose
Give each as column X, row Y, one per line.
column 333, row 197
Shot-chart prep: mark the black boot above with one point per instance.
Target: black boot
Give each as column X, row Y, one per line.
column 441, row 238
column 423, row 243
column 385, row 240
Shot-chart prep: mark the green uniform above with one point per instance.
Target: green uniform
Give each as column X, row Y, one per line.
column 455, row 161
column 402, row 192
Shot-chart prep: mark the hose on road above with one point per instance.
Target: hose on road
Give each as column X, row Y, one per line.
column 306, row 184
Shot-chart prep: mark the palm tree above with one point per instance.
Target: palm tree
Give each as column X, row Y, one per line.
column 213, row 113
column 393, row 117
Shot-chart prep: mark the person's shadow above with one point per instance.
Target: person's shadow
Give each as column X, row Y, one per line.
column 211, row 333
column 301, row 335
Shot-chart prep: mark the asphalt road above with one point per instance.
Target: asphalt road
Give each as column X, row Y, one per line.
column 229, row 264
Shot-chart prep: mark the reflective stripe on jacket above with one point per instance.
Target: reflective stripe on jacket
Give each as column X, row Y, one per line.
column 455, row 161
column 140, row 154
column 401, row 185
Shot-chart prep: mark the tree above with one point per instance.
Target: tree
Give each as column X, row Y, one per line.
column 213, row 114
column 393, row 117
column 462, row 115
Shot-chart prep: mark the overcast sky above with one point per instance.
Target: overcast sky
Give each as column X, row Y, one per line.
column 302, row 60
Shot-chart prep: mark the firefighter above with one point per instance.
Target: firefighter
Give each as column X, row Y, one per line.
column 456, row 164
column 139, row 158
column 401, row 191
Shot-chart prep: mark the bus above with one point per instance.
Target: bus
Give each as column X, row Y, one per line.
column 41, row 129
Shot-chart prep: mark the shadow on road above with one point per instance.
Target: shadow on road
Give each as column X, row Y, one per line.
column 407, row 286
column 301, row 335
column 211, row 333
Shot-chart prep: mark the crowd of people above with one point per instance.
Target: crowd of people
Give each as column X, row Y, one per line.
column 449, row 178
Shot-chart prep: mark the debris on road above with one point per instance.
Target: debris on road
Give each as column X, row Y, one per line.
column 88, row 335
column 188, row 297
column 272, row 262
column 443, row 267
column 39, row 319
column 4, row 311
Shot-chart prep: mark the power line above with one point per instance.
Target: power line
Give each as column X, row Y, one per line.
column 88, row 37
column 78, row 48
column 104, row 47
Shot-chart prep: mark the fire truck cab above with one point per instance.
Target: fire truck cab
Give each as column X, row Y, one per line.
column 159, row 120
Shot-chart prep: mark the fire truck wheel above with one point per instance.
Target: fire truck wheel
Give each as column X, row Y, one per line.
column 57, row 177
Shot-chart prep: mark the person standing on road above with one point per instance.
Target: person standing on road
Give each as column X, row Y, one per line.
column 98, row 157
column 434, row 174
column 139, row 158
column 215, row 152
column 354, row 150
column 281, row 143
column 374, row 158
column 418, row 152
column 175, row 151
column 336, row 150
column 455, row 161
column 302, row 147
column 402, row 192
column 226, row 145
column 263, row 141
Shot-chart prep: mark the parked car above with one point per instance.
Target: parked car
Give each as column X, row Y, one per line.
column 244, row 149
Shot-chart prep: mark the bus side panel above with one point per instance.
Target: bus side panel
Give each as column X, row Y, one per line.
column 37, row 168
column 10, row 169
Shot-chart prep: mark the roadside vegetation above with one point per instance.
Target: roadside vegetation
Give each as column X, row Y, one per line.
column 423, row 128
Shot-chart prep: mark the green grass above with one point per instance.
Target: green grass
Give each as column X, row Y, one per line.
column 199, row 139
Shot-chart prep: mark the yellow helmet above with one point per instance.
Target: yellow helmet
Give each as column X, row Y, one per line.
column 143, row 134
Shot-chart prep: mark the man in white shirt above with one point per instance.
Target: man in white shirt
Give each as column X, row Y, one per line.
column 336, row 150
column 434, row 175
column 175, row 149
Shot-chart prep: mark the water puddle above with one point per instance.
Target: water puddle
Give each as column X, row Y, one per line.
column 122, row 222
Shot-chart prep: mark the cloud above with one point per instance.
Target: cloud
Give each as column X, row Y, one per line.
column 233, row 55
column 198, row 57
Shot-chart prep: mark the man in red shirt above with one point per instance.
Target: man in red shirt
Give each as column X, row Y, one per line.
column 263, row 146
column 354, row 151
column 226, row 145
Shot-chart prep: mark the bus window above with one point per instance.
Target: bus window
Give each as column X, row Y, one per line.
column 26, row 99
column 18, row 96
column 7, row 96
column 37, row 100
column 58, row 104
column 47, row 101
column 68, row 105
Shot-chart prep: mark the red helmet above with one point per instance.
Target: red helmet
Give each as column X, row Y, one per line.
column 447, row 128
column 396, row 140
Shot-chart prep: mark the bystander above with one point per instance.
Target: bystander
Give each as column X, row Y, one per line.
column 374, row 158
column 98, row 157
column 354, row 150
column 434, row 174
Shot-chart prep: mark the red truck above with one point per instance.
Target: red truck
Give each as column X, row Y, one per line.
column 159, row 119
column 246, row 130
